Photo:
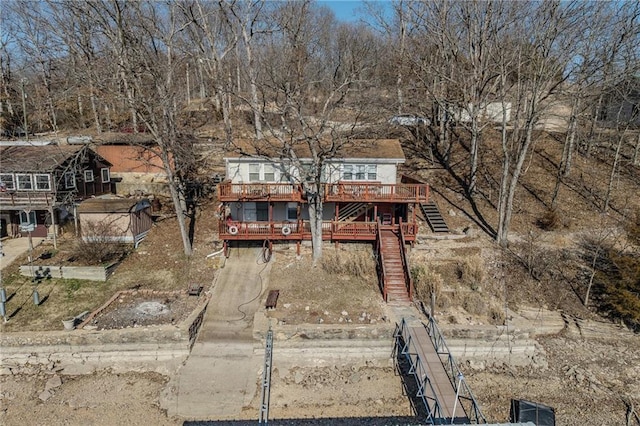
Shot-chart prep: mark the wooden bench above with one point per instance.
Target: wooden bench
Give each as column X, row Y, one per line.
column 272, row 299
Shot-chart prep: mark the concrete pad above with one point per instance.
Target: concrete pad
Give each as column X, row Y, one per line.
column 15, row 247
column 217, row 381
column 220, row 375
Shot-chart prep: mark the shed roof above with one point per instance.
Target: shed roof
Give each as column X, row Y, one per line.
column 112, row 205
column 352, row 149
column 37, row 158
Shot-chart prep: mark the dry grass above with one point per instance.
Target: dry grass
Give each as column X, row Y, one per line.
column 311, row 294
column 427, row 282
column 354, row 263
column 158, row 264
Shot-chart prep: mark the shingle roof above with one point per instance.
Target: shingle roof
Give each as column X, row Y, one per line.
column 35, row 158
column 354, row 149
column 112, row 205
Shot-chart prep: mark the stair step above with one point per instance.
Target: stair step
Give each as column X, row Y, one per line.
column 434, row 217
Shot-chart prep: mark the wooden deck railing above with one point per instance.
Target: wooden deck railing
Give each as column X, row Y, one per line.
column 405, row 262
column 331, row 230
column 377, row 192
column 27, row 199
column 382, row 277
column 259, row 191
column 334, row 192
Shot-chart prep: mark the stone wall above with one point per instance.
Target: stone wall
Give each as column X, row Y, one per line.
column 154, row 348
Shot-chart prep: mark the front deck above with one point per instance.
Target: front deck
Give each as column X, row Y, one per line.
column 298, row 231
column 335, row 192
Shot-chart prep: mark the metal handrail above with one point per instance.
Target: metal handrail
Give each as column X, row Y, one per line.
column 434, row 409
column 453, row 371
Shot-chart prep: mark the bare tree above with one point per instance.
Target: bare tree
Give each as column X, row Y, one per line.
column 311, row 69
column 211, row 38
column 539, row 65
column 143, row 38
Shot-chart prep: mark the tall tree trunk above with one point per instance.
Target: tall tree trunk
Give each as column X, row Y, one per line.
column 612, row 175
column 315, row 222
column 94, row 107
column 592, row 126
column 473, row 172
column 564, row 168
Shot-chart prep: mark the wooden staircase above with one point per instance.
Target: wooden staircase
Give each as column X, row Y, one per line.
column 433, row 217
column 394, row 274
column 351, row 211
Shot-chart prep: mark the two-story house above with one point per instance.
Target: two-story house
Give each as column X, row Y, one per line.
column 363, row 200
column 41, row 185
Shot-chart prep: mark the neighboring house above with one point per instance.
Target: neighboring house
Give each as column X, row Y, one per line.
column 108, row 219
column 40, row 185
column 363, row 198
column 137, row 168
column 621, row 104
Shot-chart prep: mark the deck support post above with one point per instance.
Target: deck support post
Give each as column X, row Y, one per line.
column 298, row 248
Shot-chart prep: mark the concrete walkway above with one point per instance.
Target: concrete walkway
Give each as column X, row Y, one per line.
column 15, row 247
column 221, row 374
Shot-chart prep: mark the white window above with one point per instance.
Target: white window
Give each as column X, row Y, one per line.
column 269, row 173
column 43, row 182
column 7, row 182
column 69, row 180
column 347, row 172
column 254, row 172
column 360, row 172
column 25, row 182
column 262, row 172
column 292, row 211
column 28, row 218
column 372, row 172
column 88, row 175
column 105, row 175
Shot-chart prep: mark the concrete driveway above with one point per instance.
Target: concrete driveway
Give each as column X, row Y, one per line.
column 15, row 247
column 220, row 376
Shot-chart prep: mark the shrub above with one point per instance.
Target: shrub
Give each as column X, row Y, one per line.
column 474, row 304
column 425, row 282
column 550, row 220
column 536, row 258
column 97, row 247
column 471, row 273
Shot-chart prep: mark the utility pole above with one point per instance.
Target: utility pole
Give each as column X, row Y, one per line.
column 24, row 108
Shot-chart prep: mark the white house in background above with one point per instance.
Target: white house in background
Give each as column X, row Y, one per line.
column 363, row 200
column 361, row 186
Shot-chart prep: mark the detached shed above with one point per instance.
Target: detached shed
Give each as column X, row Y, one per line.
column 121, row 220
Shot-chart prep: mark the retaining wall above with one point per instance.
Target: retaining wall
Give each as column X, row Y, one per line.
column 91, row 273
column 154, row 348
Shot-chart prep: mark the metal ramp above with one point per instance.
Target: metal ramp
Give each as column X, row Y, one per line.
column 434, row 218
column 440, row 384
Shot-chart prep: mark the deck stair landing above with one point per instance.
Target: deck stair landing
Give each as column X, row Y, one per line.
column 351, row 211
column 434, row 218
column 394, row 274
